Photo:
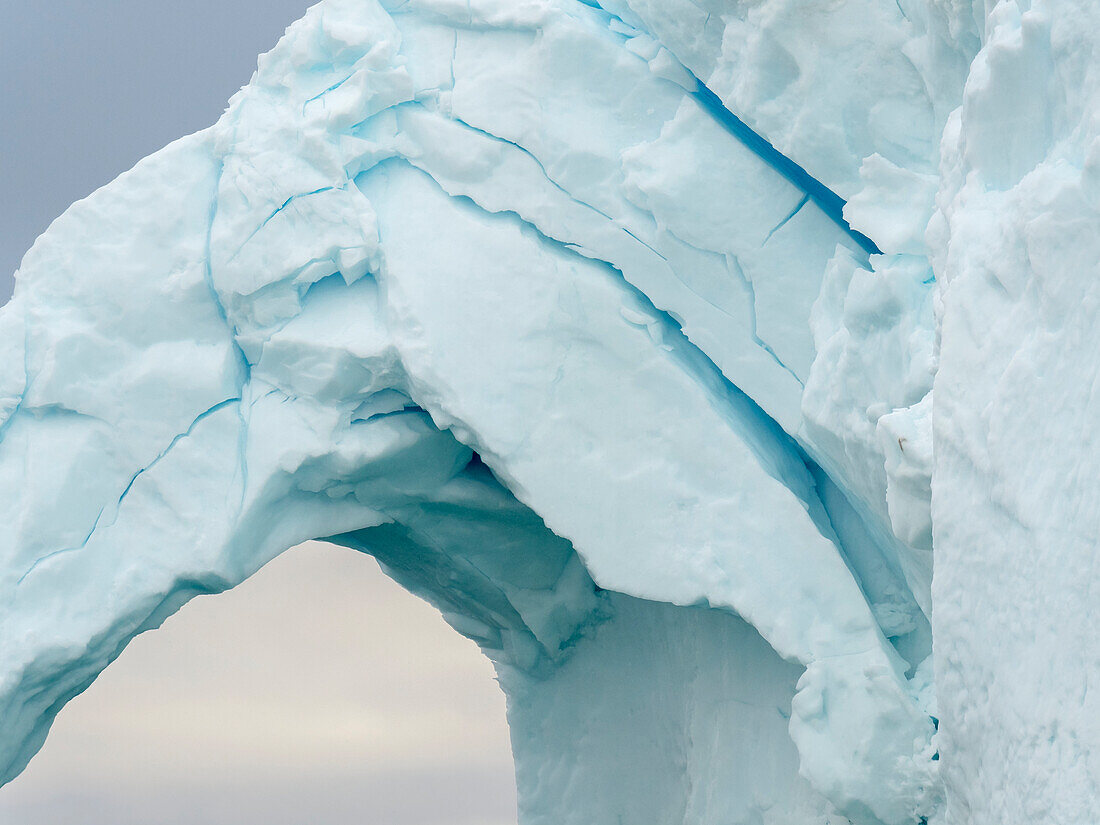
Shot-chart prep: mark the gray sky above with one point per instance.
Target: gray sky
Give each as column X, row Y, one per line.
column 90, row 88
column 316, row 692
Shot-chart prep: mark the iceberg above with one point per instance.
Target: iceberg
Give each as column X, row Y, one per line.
column 661, row 346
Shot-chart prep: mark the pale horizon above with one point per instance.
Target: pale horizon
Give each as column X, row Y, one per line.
column 316, row 691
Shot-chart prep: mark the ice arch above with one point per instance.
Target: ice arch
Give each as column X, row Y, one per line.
column 319, row 690
column 554, row 352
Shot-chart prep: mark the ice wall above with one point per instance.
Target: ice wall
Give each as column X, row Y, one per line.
column 1015, row 519
column 659, row 345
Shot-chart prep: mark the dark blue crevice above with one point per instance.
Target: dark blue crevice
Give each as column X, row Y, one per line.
column 199, row 418
column 270, row 217
column 825, row 198
column 787, row 219
column 118, row 504
column 779, row 454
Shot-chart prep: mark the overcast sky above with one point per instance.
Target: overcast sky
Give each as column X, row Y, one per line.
column 318, row 692
column 90, row 88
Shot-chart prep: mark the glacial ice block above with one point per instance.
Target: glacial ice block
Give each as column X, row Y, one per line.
column 655, row 343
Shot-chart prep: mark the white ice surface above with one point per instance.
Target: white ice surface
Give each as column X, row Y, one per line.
column 1014, row 478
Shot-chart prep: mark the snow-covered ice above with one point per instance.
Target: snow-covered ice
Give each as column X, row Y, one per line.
column 708, row 363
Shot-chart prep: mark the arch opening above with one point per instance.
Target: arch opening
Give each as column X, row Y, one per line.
column 318, row 690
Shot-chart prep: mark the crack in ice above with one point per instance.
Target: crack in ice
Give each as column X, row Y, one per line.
column 826, row 199
column 126, row 491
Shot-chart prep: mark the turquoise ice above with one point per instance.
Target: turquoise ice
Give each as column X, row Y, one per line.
column 661, row 345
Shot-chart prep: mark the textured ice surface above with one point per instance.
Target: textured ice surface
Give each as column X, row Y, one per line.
column 659, row 344
column 1015, row 516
